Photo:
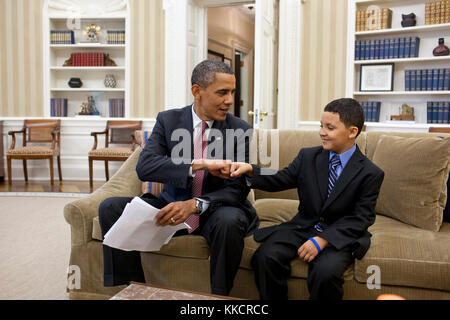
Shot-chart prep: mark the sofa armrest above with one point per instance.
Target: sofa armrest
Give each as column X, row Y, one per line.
column 80, row 213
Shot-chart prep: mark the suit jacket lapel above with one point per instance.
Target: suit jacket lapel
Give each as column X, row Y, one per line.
column 322, row 173
column 352, row 168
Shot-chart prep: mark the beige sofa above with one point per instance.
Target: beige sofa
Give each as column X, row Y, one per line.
column 412, row 261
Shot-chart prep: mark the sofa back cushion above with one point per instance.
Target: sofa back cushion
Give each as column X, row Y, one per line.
column 286, row 146
column 414, row 189
column 147, row 186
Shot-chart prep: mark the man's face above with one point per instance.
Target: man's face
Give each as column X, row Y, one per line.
column 214, row 101
column 334, row 134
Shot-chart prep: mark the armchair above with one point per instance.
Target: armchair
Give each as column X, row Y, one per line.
column 116, row 132
column 39, row 131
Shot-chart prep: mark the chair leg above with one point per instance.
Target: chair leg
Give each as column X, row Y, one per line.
column 51, row 171
column 59, row 168
column 91, row 183
column 8, row 160
column 25, row 170
column 106, row 170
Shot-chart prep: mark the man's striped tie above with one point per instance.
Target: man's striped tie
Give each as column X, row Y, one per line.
column 200, row 151
column 332, row 178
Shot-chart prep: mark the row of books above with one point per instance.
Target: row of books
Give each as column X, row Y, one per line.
column 437, row 12
column 427, row 80
column 62, row 37
column 371, row 110
column 387, row 48
column 115, row 36
column 438, row 112
column 58, row 107
column 116, row 108
column 88, row 59
column 376, row 19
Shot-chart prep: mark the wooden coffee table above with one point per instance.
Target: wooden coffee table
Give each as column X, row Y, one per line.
column 145, row 291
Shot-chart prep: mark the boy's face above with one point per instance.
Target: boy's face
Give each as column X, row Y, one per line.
column 334, row 134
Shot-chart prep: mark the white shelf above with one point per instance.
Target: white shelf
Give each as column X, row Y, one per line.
column 56, row 77
column 87, row 68
column 402, row 93
column 404, row 60
column 87, row 89
column 87, row 45
column 392, row 101
column 416, row 29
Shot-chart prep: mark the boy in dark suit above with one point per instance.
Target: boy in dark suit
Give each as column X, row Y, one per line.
column 338, row 189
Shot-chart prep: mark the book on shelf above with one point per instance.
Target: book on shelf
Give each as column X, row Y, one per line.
column 115, row 36
column 371, row 110
column 58, row 107
column 438, row 112
column 62, row 37
column 393, row 48
column 88, row 59
column 376, row 19
column 116, row 108
column 427, row 79
column 437, row 12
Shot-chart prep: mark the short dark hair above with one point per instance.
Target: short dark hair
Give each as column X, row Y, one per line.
column 204, row 73
column 350, row 112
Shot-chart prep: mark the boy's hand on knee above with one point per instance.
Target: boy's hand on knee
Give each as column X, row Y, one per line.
column 308, row 251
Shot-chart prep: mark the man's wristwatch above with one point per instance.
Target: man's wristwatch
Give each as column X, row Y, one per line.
column 199, row 206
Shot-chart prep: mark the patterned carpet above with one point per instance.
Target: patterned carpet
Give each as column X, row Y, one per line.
column 34, row 245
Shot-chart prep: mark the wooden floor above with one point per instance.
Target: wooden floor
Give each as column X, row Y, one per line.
column 45, row 186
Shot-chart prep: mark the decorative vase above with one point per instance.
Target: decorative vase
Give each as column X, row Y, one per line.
column 110, row 81
column 75, row 83
column 441, row 49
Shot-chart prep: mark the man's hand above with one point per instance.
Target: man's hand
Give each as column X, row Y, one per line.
column 240, row 168
column 218, row 168
column 308, row 250
column 175, row 213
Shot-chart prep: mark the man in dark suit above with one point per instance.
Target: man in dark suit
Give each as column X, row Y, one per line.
column 338, row 188
column 178, row 155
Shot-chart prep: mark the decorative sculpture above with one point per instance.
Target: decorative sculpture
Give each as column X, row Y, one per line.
column 408, row 20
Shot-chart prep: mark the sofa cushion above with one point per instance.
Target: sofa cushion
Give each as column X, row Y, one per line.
column 188, row 246
column 407, row 256
column 414, row 189
column 275, row 211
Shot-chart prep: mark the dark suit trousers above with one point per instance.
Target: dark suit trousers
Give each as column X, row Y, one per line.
column 224, row 230
column 271, row 263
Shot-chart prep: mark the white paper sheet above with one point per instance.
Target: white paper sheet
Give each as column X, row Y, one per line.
column 136, row 229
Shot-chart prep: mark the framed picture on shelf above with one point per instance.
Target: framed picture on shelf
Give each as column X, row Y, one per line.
column 376, row 77
column 212, row 55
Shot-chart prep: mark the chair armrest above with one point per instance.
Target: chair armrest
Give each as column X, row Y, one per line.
column 80, row 213
column 13, row 135
column 94, row 134
column 55, row 141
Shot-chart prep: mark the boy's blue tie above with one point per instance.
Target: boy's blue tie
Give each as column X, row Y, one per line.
column 332, row 178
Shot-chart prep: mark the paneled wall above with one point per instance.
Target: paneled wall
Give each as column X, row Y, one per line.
column 21, row 58
column 324, row 47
